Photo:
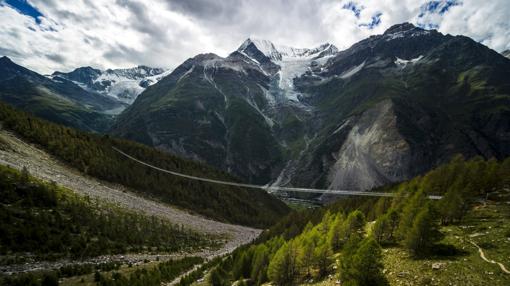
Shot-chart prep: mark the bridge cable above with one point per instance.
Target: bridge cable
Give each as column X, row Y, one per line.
column 265, row 187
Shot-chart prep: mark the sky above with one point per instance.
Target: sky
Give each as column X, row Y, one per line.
column 50, row 35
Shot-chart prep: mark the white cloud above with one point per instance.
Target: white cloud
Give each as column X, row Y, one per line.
column 120, row 33
column 488, row 22
column 101, row 34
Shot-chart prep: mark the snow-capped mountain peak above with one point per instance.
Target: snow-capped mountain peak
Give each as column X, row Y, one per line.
column 135, row 73
column 322, row 50
column 265, row 47
column 280, row 52
column 290, row 62
column 121, row 84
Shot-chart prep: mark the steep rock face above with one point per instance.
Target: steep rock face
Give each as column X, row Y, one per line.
column 374, row 152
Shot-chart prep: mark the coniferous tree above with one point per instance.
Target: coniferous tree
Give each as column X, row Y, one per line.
column 259, row 264
column 306, row 254
column 453, row 206
column 346, row 259
column 424, row 232
column 335, row 234
column 366, row 267
column 322, row 257
column 381, row 229
column 411, row 208
column 217, row 277
column 283, row 266
column 54, row 221
column 243, row 265
column 354, row 223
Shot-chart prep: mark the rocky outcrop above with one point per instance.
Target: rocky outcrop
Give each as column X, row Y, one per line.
column 373, row 154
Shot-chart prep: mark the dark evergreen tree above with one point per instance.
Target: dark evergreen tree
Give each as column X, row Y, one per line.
column 424, row 232
column 366, row 265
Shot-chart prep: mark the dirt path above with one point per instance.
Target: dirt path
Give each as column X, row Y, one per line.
column 482, row 255
column 40, row 164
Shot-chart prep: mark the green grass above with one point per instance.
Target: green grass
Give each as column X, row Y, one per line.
column 466, row 268
column 487, row 225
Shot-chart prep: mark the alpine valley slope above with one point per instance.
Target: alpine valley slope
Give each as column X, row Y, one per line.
column 388, row 108
column 94, row 155
column 58, row 101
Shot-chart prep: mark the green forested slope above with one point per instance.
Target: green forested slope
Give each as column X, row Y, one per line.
column 52, row 222
column 340, row 240
column 93, row 155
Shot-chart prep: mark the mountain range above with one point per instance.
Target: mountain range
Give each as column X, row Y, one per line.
column 229, row 112
column 388, row 108
column 123, row 85
column 85, row 98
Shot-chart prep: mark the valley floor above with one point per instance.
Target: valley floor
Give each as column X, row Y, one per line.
column 17, row 154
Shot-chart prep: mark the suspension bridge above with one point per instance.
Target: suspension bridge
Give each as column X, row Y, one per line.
column 270, row 189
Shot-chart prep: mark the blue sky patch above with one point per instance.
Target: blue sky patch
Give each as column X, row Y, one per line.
column 355, row 8
column 376, row 20
column 438, row 7
column 23, row 7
